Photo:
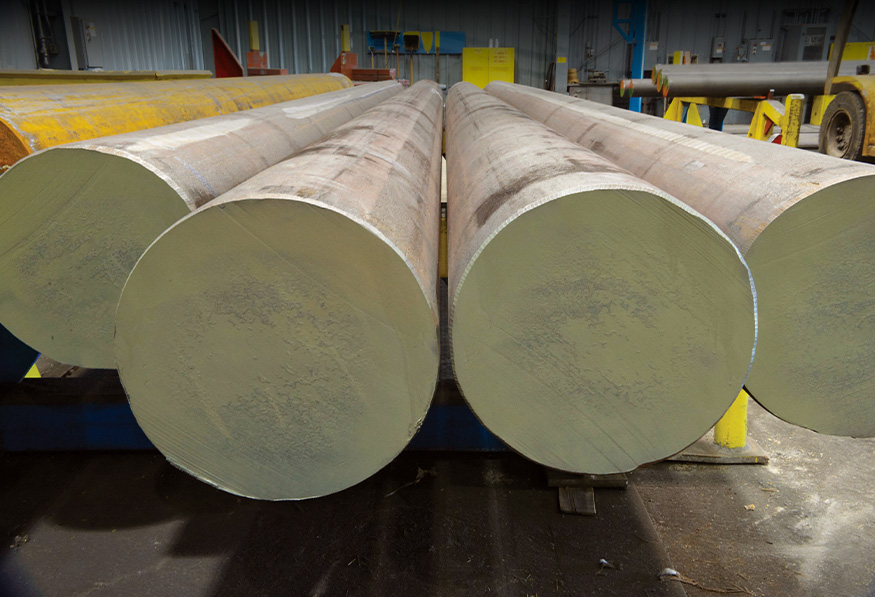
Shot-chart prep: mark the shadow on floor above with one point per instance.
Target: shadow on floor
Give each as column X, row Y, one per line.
column 130, row 523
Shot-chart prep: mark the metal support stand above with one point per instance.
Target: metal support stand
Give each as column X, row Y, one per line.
column 577, row 492
column 766, row 114
column 730, row 444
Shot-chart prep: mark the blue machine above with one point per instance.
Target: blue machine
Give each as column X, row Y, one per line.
column 92, row 413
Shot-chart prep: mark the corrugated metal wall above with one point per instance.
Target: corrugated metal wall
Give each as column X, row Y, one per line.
column 154, row 35
column 305, row 36
column 16, row 39
column 158, row 35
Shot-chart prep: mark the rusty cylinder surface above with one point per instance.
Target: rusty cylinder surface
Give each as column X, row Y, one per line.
column 281, row 342
column 78, row 216
column 802, row 220
column 36, row 117
column 596, row 322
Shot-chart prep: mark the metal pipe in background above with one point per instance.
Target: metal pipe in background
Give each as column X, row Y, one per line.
column 638, row 88
column 802, row 220
column 596, row 323
column 77, row 217
column 725, row 80
column 714, row 84
column 281, row 342
column 34, row 118
column 751, row 67
column 741, row 84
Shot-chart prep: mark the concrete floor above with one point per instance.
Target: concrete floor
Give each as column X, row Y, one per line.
column 128, row 523
column 804, row 524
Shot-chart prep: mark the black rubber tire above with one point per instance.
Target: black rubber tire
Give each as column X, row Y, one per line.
column 843, row 126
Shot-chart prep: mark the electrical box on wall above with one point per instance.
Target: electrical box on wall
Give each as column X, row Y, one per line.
column 759, row 50
column 718, row 47
column 89, row 47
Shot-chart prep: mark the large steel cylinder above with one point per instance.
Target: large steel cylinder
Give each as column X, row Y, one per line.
column 281, row 342
column 802, row 220
column 77, row 217
column 596, row 322
column 41, row 116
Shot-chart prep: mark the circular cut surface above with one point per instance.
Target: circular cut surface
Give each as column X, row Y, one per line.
column 276, row 349
column 814, row 268
column 603, row 330
column 74, row 224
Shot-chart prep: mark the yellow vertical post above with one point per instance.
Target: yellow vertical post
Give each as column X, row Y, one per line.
column 254, row 42
column 675, row 110
column 345, row 40
column 731, row 430
column 791, row 124
column 758, row 124
column 443, row 266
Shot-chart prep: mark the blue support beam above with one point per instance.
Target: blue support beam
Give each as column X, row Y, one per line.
column 93, row 413
column 634, row 31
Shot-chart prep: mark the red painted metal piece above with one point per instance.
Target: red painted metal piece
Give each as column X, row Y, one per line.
column 226, row 63
column 346, row 62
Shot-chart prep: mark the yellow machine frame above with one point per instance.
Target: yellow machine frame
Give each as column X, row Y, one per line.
column 766, row 113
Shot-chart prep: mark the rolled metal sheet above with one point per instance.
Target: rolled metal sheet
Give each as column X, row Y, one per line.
column 77, row 217
column 802, row 220
column 40, row 116
column 596, row 322
column 281, row 342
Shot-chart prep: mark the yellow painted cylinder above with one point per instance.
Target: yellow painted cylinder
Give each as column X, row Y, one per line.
column 731, row 430
column 37, row 117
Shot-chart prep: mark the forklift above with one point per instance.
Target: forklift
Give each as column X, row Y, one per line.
column 847, row 129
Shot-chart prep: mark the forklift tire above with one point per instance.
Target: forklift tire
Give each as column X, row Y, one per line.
column 843, row 126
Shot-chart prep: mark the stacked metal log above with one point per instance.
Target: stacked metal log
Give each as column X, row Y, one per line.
column 281, row 342
column 68, row 241
column 802, row 220
column 596, row 322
